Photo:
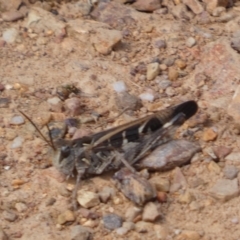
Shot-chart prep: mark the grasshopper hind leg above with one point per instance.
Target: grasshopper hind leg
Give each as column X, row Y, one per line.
column 80, row 174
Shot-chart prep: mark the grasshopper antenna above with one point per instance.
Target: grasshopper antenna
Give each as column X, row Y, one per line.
column 44, row 138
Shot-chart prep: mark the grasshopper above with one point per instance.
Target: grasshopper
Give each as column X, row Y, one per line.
column 120, row 146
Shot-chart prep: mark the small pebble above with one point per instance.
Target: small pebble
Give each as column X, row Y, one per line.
column 161, row 184
column 10, row 35
column 190, row 42
column 119, row 86
column 186, row 197
column 87, row 199
column 235, row 220
column 160, row 43
column 163, row 67
column 9, row 216
column 180, row 63
column 214, row 167
column 21, row 207
column 147, row 96
column 50, row 201
column 132, row 212
column 67, row 216
column 17, row 142
column 209, row 135
column 143, row 227
column 12, row 16
column 225, row 189
column 122, row 231
column 112, row 221
column 162, row 197
column 80, row 233
column 172, row 74
column 230, row 171
column 106, row 193
column 17, row 120
column 129, row 225
column 54, row 100
column 91, row 223
column 152, row 70
column 150, row 212
column 4, row 102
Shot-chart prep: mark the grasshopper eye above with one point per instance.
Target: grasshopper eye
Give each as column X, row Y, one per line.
column 65, row 151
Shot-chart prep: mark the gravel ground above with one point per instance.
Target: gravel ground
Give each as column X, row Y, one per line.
column 145, row 55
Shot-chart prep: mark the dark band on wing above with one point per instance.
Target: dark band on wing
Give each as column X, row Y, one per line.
column 153, row 124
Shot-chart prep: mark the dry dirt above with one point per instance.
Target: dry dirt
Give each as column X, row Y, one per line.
column 117, row 43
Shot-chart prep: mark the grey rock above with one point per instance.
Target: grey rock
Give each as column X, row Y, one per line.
column 179, row 180
column 159, row 43
column 148, row 6
column 233, row 156
column 104, row 40
column 12, row 16
column 134, row 187
column 81, row 233
column 126, row 100
column 4, row 102
column 10, row 35
column 9, row 216
column 225, row 189
column 17, row 120
column 17, row 142
column 172, row 154
column 112, row 221
column 235, row 43
column 111, row 12
column 230, row 171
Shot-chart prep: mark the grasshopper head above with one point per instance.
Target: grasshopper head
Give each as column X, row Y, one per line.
column 63, row 158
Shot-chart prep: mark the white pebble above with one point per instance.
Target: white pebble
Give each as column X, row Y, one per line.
column 8, row 87
column 177, row 231
column 190, row 42
column 17, row 120
column 235, row 220
column 6, row 168
column 10, row 35
column 119, row 86
column 17, row 142
column 54, row 100
column 121, row 231
column 146, row 96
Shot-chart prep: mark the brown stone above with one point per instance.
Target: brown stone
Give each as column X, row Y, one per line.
column 209, row 135
column 147, row 5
